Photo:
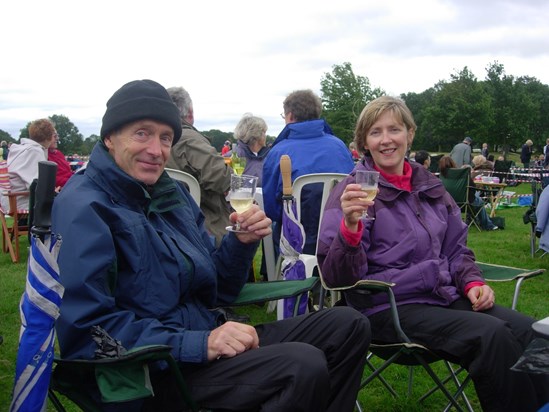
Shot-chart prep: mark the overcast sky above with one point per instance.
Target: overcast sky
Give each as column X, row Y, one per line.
column 68, row 57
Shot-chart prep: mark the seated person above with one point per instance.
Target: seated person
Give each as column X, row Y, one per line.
column 24, row 157
column 542, row 220
column 423, row 158
column 137, row 261
column 481, row 167
column 418, row 242
column 445, row 163
column 251, row 135
column 64, row 171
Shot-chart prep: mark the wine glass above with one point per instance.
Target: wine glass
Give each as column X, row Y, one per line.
column 367, row 179
column 241, row 196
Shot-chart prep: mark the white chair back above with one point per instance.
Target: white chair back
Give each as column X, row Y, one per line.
column 189, row 180
column 329, row 180
column 268, row 244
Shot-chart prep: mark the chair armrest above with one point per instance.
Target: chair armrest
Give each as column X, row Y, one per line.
column 119, row 379
column 147, row 352
column 279, row 289
column 378, row 286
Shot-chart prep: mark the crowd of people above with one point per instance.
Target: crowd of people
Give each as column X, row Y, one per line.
column 155, row 267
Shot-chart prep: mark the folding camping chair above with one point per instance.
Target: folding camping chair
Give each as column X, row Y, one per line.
column 12, row 232
column 500, row 273
column 126, row 377
column 456, row 183
column 407, row 353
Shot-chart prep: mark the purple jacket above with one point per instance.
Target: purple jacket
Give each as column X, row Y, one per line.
column 417, row 241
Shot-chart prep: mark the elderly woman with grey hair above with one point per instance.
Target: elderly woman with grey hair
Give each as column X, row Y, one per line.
column 251, row 135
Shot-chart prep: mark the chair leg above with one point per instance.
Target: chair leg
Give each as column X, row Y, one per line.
column 439, row 383
column 55, row 401
column 381, row 378
column 7, row 246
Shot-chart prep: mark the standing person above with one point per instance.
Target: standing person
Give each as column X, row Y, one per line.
column 194, row 154
column 312, row 147
column 484, row 151
column 24, row 157
column 461, row 153
column 546, row 154
column 147, row 273
column 251, row 135
column 526, row 153
column 64, row 171
column 443, row 301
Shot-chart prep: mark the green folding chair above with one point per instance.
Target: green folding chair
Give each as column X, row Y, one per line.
column 456, row 183
column 127, row 378
column 501, row 273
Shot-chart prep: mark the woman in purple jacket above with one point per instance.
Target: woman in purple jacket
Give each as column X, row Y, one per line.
column 418, row 242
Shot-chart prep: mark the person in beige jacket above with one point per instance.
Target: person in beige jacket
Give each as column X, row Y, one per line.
column 194, row 154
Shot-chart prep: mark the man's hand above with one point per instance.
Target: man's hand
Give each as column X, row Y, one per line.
column 255, row 222
column 230, row 339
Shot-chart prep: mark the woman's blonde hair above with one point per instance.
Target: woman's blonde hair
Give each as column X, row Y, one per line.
column 373, row 111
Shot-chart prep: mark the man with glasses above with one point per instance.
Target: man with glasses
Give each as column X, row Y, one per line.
column 310, row 143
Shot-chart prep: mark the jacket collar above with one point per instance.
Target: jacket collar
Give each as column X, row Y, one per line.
column 304, row 130
column 423, row 182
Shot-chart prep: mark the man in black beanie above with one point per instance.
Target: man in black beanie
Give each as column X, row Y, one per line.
column 138, row 262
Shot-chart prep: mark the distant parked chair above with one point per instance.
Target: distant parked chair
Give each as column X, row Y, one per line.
column 502, row 168
column 456, row 183
column 19, row 227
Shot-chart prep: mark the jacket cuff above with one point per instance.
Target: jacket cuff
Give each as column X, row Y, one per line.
column 352, row 238
column 470, row 285
column 194, row 348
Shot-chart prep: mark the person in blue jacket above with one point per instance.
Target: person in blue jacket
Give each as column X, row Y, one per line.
column 137, row 261
column 312, row 147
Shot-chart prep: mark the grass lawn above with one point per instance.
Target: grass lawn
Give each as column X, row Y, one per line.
column 507, row 247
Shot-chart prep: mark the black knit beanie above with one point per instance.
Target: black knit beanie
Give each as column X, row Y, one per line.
column 141, row 99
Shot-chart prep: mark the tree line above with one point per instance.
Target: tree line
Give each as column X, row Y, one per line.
column 501, row 110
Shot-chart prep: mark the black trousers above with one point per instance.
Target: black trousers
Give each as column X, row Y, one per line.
column 486, row 343
column 311, row 363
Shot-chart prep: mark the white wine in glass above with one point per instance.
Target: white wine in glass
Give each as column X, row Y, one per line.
column 241, row 196
column 241, row 202
column 367, row 179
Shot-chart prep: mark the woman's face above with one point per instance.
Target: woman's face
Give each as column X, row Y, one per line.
column 388, row 140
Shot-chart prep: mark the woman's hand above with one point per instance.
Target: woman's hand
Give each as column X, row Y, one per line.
column 353, row 203
column 255, row 222
column 481, row 297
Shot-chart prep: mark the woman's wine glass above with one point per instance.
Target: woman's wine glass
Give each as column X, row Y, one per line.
column 367, row 179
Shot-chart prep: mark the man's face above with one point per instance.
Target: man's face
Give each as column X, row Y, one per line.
column 141, row 149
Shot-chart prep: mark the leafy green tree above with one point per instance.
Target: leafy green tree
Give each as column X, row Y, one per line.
column 217, row 138
column 419, row 104
column 6, row 136
column 344, row 95
column 70, row 138
column 535, row 113
column 460, row 108
column 88, row 144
